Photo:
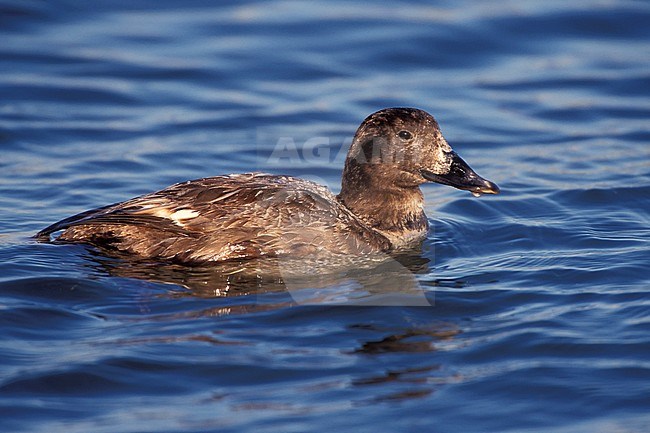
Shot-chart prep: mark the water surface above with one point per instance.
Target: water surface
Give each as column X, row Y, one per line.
column 527, row 311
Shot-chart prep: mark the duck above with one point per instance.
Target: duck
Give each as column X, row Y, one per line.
column 380, row 207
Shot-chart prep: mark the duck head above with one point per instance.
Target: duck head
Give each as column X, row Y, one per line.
column 393, row 152
column 402, row 148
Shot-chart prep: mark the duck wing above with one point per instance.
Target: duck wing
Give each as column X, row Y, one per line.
column 224, row 218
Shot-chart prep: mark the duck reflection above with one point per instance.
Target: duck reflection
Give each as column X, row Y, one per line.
column 251, row 286
column 408, row 382
column 411, row 340
column 375, row 280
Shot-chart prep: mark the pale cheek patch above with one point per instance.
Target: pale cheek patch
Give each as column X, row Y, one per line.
column 445, row 147
column 441, row 163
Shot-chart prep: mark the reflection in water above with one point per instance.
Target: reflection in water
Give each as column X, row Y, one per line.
column 411, row 340
column 374, row 280
column 417, row 383
column 408, row 382
column 171, row 340
column 248, row 287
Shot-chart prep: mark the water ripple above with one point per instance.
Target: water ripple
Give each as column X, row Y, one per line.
column 537, row 305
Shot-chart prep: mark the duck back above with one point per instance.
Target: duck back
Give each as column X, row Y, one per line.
column 225, row 218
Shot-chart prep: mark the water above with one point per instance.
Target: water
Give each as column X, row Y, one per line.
column 533, row 309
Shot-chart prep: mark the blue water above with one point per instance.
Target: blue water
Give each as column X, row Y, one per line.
column 527, row 311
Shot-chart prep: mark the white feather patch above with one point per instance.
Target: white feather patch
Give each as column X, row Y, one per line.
column 182, row 214
column 160, row 212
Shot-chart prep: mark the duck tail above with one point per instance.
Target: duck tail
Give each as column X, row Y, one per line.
column 45, row 234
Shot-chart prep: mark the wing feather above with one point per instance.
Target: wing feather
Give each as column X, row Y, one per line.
column 224, row 217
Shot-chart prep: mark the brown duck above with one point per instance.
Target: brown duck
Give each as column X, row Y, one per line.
column 254, row 215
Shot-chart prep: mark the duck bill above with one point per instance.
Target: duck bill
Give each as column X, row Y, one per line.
column 461, row 176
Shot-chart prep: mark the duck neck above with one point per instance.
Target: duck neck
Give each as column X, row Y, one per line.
column 395, row 211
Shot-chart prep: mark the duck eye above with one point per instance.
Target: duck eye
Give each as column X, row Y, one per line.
column 405, row 135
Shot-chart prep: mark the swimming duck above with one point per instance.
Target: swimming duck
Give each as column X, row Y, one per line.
column 256, row 215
